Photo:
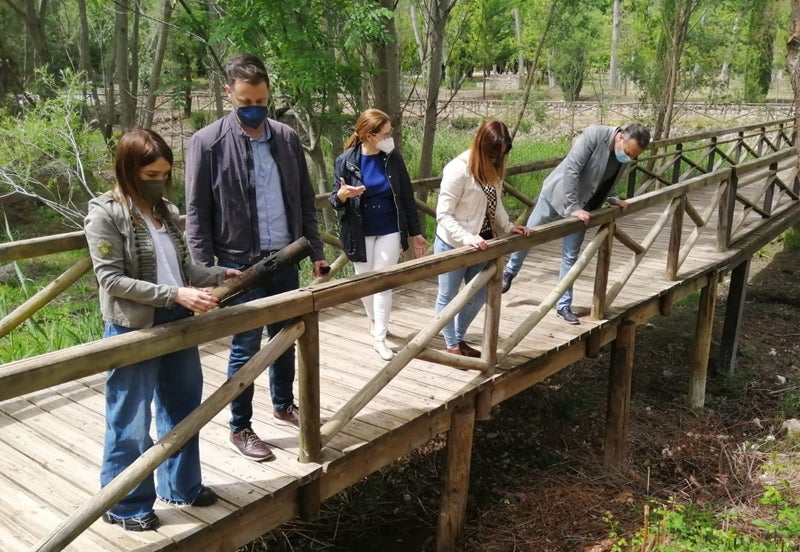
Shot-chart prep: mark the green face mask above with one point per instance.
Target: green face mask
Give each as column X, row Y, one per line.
column 152, row 189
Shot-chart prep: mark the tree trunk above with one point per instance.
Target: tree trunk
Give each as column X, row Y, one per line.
column 520, row 49
column 34, row 27
column 127, row 103
column 412, row 7
column 676, row 15
column 725, row 72
column 85, row 65
column 133, row 72
column 158, row 61
column 613, row 70
column 440, row 9
column 793, row 61
column 535, row 66
column 386, row 79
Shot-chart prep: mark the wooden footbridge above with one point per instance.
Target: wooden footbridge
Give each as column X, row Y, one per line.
column 701, row 206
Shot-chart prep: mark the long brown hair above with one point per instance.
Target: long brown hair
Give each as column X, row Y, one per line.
column 136, row 149
column 488, row 153
column 369, row 122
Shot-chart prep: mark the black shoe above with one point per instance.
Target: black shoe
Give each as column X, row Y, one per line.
column 568, row 316
column 507, row 278
column 206, row 497
column 147, row 522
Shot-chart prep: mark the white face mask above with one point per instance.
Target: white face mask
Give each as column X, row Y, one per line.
column 386, row 145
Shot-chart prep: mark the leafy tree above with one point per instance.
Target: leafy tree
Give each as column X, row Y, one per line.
column 579, row 34
column 760, row 36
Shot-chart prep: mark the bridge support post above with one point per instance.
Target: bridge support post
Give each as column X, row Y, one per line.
column 619, row 396
column 456, row 478
column 702, row 344
column 729, row 341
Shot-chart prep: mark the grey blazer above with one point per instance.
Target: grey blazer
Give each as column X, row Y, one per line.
column 125, row 298
column 572, row 183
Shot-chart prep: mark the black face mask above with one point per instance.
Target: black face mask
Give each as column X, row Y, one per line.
column 152, row 189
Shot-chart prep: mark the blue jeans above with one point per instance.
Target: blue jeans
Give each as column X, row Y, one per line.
column 543, row 213
column 246, row 344
column 175, row 382
column 449, row 284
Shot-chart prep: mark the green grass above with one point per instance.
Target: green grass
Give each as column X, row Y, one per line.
column 70, row 319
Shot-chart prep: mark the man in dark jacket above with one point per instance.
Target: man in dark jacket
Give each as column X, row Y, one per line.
column 248, row 194
column 582, row 182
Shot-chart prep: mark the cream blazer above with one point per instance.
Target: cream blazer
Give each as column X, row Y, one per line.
column 461, row 207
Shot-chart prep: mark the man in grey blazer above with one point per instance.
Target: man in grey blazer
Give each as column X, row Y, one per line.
column 582, row 182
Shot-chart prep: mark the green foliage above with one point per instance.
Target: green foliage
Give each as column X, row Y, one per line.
column 49, row 154
column 791, row 238
column 790, row 402
column 676, row 527
column 200, row 118
column 760, row 36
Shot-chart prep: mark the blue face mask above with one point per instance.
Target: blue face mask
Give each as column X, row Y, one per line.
column 252, row 116
column 622, row 157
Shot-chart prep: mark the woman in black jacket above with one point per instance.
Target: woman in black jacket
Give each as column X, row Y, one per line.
column 373, row 193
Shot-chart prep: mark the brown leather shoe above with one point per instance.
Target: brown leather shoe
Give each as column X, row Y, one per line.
column 468, row 351
column 289, row 416
column 247, row 443
column 453, row 351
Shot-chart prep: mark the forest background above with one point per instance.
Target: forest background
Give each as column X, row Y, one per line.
column 74, row 74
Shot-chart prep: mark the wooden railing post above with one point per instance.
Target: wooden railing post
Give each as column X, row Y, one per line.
column 491, row 324
column 675, row 236
column 676, row 165
column 769, row 191
column 727, row 203
column 737, row 151
column 712, row 154
column 309, row 388
column 601, row 274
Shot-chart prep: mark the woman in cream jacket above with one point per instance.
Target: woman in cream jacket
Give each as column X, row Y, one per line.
column 470, row 212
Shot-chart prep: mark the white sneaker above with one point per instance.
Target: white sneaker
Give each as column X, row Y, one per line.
column 385, row 352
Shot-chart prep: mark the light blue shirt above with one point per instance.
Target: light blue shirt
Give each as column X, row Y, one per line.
column 273, row 227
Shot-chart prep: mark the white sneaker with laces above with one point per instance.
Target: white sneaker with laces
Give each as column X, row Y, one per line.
column 383, row 350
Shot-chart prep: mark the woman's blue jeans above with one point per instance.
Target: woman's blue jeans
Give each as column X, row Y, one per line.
column 174, row 382
column 449, row 284
column 543, row 213
column 245, row 345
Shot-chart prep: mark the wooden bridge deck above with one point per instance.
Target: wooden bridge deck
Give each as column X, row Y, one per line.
column 51, row 440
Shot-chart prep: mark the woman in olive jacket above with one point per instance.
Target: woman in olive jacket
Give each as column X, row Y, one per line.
column 373, row 193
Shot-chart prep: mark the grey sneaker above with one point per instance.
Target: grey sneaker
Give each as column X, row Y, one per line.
column 568, row 316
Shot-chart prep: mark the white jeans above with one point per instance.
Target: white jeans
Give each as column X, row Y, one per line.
column 382, row 251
